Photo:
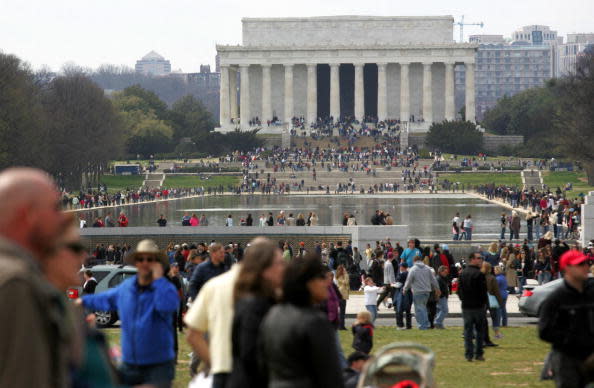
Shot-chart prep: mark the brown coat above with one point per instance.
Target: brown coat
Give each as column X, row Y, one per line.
column 33, row 334
column 493, row 288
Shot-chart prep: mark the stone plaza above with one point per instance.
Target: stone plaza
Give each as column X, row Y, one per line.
column 398, row 68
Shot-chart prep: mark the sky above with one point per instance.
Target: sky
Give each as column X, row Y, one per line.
column 94, row 32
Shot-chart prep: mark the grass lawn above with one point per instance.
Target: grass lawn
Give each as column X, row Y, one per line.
column 122, row 182
column 195, row 181
column 556, row 179
column 478, row 178
column 515, row 363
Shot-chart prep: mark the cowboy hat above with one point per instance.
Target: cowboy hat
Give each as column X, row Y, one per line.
column 147, row 247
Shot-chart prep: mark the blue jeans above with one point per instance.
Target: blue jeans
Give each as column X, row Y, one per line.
column 474, row 322
column 455, row 236
column 420, row 301
column 373, row 310
column 160, row 375
column 495, row 317
column 503, row 312
column 468, row 232
column 442, row 311
column 502, row 237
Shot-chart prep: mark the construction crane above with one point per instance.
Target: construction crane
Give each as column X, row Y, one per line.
column 462, row 24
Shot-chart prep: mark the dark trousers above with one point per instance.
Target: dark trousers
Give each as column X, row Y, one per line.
column 402, row 306
column 343, row 303
column 159, row 375
column 473, row 329
column 431, row 311
column 569, row 372
column 219, row 380
column 388, row 291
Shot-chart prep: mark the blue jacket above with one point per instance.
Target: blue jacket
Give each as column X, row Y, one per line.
column 146, row 316
column 203, row 273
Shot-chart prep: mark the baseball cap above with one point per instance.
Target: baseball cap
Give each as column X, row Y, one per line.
column 571, row 258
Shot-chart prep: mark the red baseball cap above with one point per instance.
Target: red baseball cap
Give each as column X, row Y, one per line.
column 572, row 257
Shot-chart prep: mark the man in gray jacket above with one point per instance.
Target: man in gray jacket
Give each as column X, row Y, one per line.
column 421, row 281
column 33, row 335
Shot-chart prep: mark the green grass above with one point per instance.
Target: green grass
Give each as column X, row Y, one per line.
column 516, row 362
column 195, row 181
column 122, row 182
column 559, row 179
column 478, row 178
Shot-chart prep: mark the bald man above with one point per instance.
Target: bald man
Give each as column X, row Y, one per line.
column 32, row 336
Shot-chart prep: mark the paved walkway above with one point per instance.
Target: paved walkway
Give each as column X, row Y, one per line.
column 356, row 303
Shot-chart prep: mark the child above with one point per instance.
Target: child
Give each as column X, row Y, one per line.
column 371, row 291
column 363, row 332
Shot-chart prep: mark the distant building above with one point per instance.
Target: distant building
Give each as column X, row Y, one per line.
column 504, row 70
column 153, row 64
column 536, row 34
column 568, row 53
column 486, row 39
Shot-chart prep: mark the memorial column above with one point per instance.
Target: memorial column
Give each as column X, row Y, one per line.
column 382, row 92
column 450, row 108
column 359, row 92
column 266, row 89
column 233, row 92
column 470, row 107
column 427, row 94
column 312, row 94
column 404, row 93
column 288, row 93
column 335, row 91
column 244, row 97
column 224, row 97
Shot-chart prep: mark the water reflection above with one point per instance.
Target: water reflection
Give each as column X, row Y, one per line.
column 428, row 216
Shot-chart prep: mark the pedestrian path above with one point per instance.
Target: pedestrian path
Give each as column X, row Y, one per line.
column 532, row 179
column 356, row 303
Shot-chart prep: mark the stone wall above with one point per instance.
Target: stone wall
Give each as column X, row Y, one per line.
column 360, row 235
column 494, row 143
column 347, row 30
column 588, row 219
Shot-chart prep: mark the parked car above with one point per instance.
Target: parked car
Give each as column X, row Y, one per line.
column 532, row 297
column 107, row 276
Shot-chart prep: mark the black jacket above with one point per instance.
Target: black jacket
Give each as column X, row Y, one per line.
column 299, row 349
column 567, row 320
column 443, row 286
column 363, row 337
column 247, row 319
column 472, row 288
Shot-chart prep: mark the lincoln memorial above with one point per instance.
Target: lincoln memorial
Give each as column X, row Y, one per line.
column 359, row 66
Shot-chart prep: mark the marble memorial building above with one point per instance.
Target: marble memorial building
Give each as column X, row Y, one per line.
column 384, row 67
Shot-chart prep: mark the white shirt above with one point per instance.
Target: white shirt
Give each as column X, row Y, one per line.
column 456, row 220
column 371, row 294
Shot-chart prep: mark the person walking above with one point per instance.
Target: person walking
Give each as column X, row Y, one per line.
column 421, row 282
column 343, row 283
column 503, row 223
column 566, row 323
column 442, row 303
column 402, row 300
column 256, row 291
column 146, row 304
column 468, row 226
column 389, row 280
column 472, row 291
column 502, row 284
column 298, row 343
column 495, row 301
column 456, row 227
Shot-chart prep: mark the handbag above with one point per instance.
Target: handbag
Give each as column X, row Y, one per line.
column 201, row 380
column 493, row 303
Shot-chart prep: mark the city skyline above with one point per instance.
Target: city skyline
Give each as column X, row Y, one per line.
column 186, row 32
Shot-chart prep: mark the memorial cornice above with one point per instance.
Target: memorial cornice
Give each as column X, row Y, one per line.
column 411, row 46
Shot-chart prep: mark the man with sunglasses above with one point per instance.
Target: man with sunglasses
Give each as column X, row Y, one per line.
column 567, row 322
column 31, row 332
column 145, row 304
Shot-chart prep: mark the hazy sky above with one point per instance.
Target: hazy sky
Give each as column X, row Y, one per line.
column 93, row 32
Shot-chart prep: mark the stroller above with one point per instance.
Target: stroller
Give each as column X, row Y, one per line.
column 399, row 365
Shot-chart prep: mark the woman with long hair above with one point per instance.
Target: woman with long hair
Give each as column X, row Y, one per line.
column 343, row 283
column 495, row 302
column 299, row 346
column 256, row 291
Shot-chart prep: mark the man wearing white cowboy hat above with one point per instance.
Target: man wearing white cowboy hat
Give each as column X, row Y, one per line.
column 145, row 304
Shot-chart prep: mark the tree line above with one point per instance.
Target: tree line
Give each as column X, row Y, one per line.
column 67, row 126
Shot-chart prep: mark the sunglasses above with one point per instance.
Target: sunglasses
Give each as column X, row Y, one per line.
column 75, row 247
column 148, row 259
